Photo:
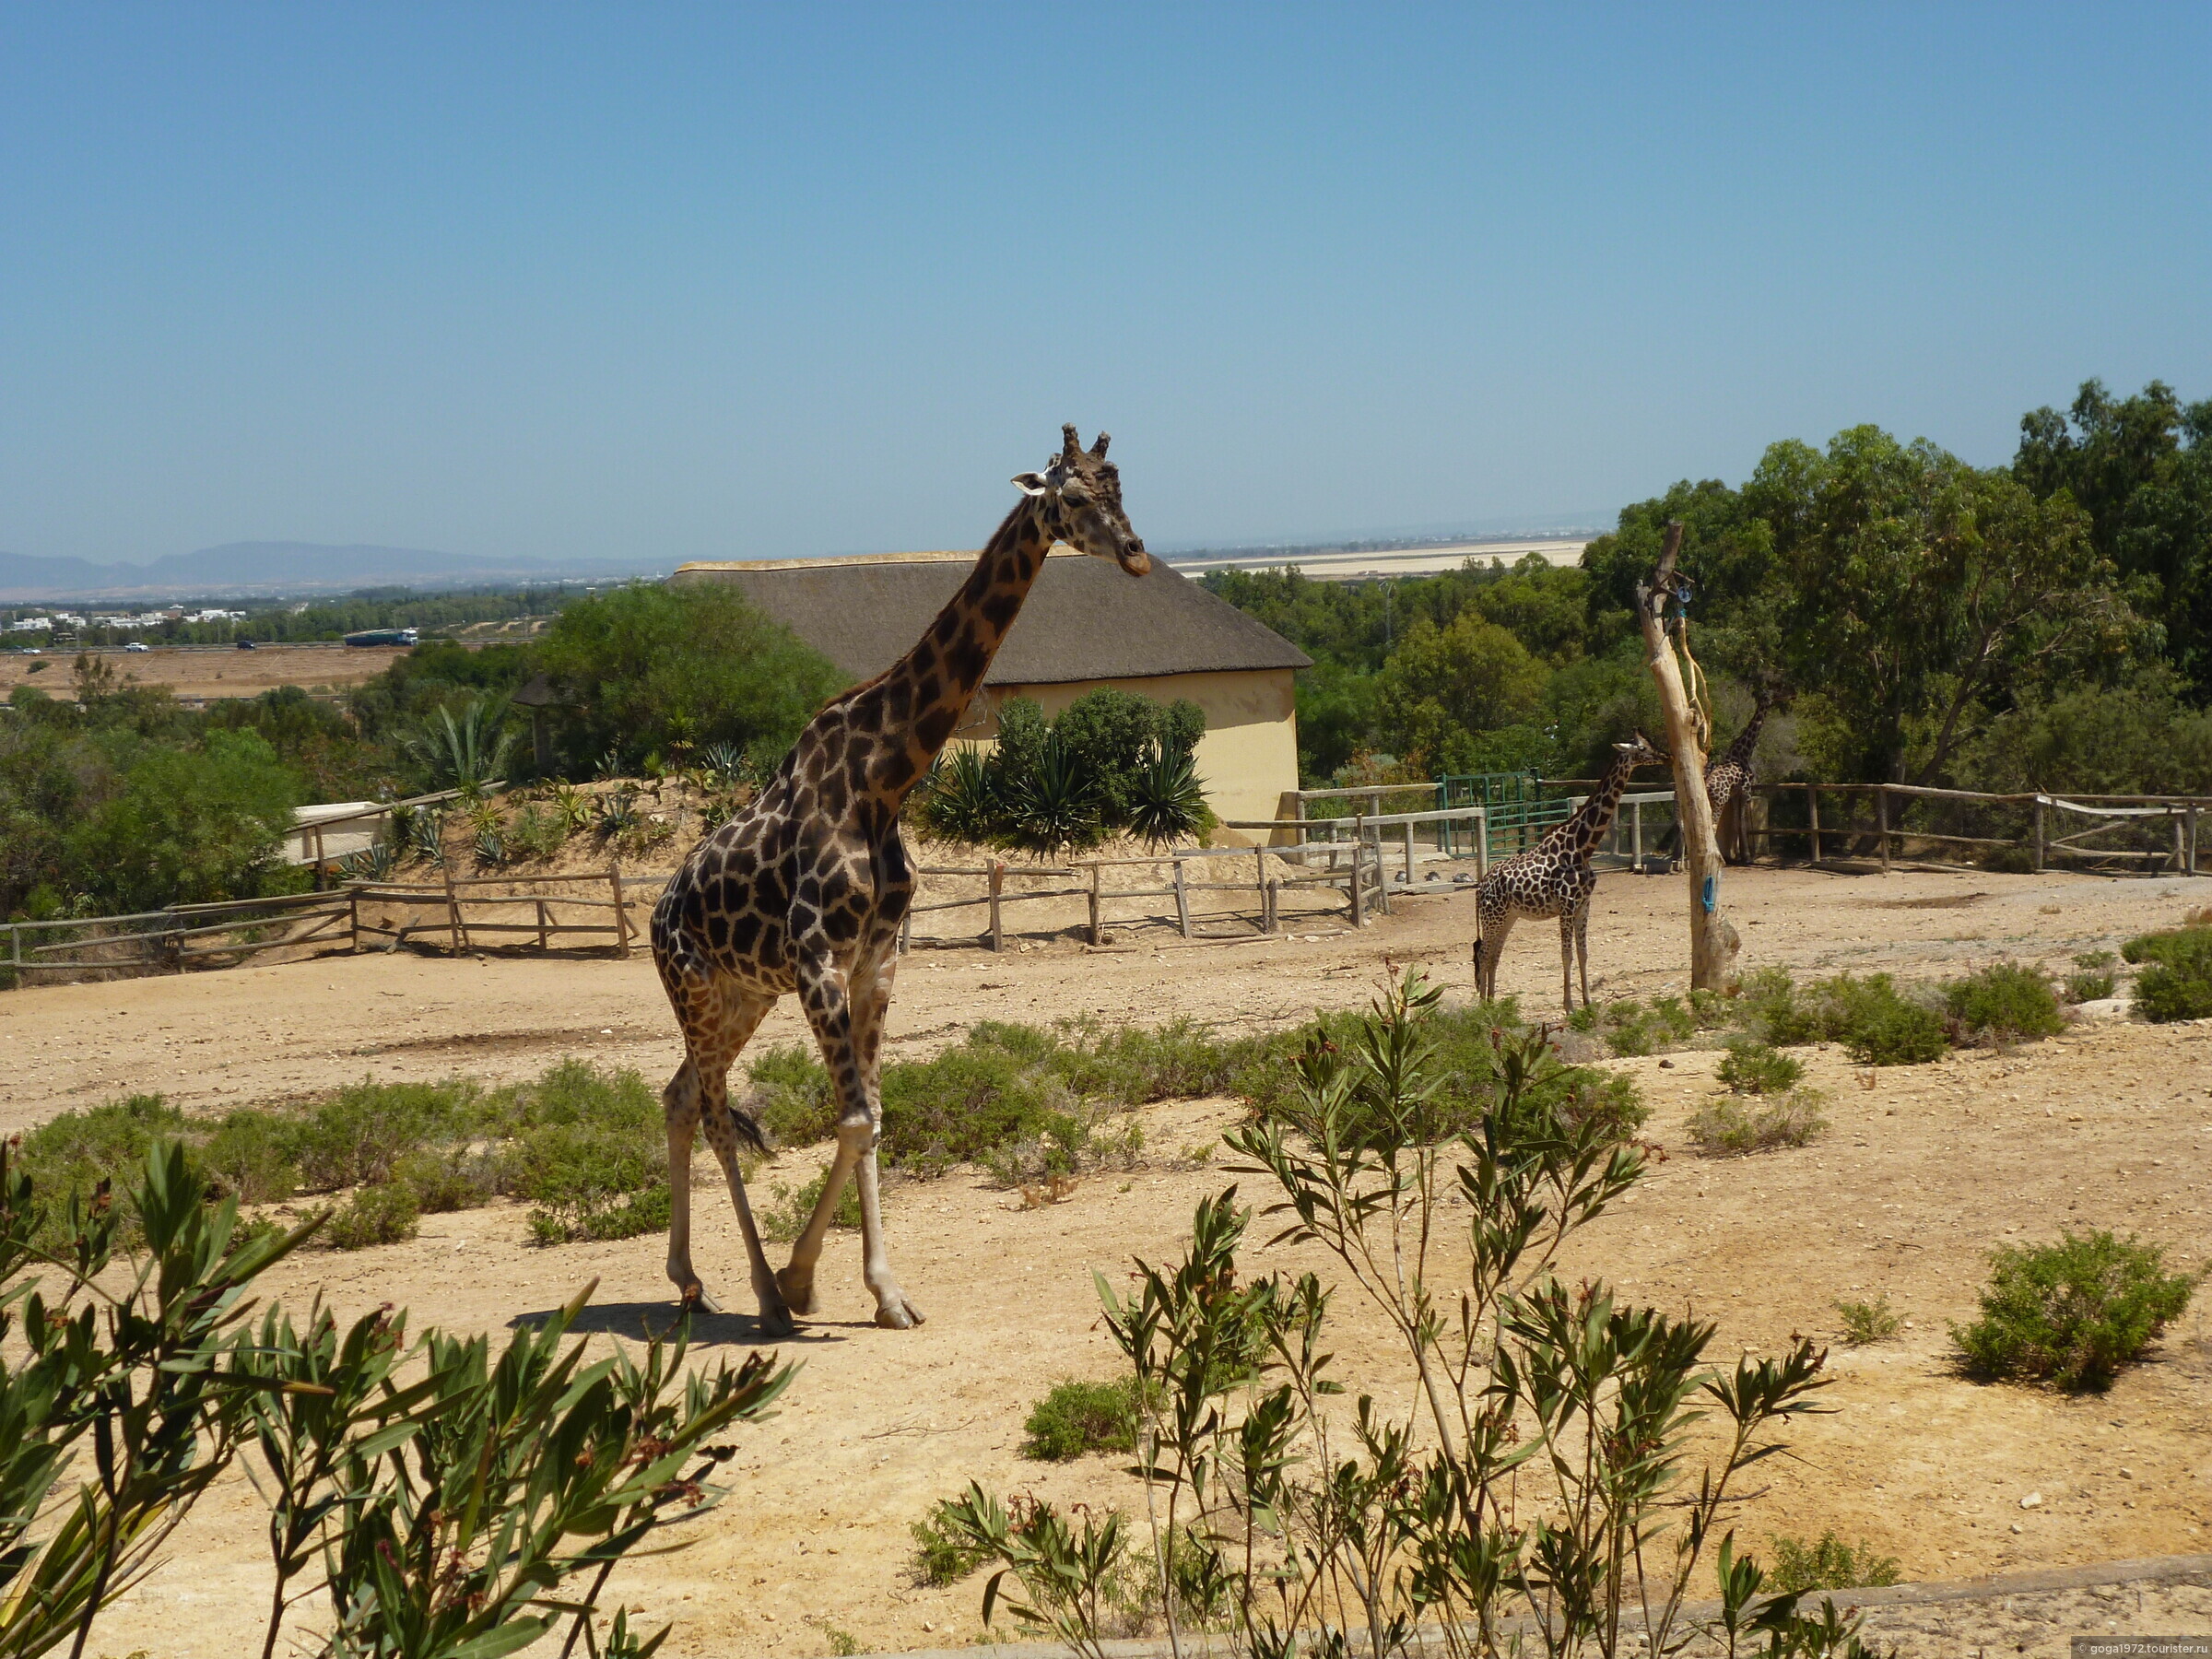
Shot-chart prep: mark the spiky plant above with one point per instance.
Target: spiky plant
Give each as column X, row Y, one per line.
column 426, row 836
column 469, row 753
column 617, row 812
column 960, row 800
column 724, row 762
column 1055, row 806
column 1167, row 801
column 490, row 849
column 573, row 807
column 374, row 864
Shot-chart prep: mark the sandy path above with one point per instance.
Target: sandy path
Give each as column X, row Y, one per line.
column 1921, row 1173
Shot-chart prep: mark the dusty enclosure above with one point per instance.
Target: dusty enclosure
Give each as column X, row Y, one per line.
column 206, row 673
column 1925, row 1169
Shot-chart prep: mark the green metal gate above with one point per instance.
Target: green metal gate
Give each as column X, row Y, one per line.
column 1515, row 812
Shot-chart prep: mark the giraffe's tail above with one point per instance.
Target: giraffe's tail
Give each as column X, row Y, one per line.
column 748, row 1129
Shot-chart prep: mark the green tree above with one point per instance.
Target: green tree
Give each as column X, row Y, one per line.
column 1471, row 677
column 187, row 826
column 650, row 667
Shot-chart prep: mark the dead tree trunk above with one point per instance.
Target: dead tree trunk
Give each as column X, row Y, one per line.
column 1713, row 942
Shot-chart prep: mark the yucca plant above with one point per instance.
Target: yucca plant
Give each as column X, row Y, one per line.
column 608, row 765
column 426, row 836
column 468, row 754
column 490, row 849
column 573, row 805
column 481, row 816
column 1055, row 806
column 726, row 761
column 617, row 812
column 961, row 798
column 376, row 863
column 1167, row 801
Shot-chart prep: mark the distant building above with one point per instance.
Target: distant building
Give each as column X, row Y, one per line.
column 1086, row 624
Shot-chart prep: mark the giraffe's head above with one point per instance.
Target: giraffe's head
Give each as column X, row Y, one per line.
column 1638, row 751
column 1077, row 499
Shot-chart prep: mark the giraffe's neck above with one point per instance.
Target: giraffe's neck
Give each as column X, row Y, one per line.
column 1581, row 832
column 916, row 704
column 1739, row 752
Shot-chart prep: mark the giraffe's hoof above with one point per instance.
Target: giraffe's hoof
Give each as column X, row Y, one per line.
column 697, row 1301
column 898, row 1314
column 797, row 1292
column 777, row 1321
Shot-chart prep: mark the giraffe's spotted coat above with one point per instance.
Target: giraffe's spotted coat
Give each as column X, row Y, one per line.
column 803, row 891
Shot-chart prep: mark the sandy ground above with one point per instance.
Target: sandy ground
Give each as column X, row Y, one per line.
column 204, row 673
column 1924, row 1170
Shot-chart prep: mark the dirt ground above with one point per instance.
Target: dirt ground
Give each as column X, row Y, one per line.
column 1925, row 1169
column 206, row 674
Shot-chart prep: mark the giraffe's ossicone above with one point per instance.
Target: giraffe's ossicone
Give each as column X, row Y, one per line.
column 803, row 891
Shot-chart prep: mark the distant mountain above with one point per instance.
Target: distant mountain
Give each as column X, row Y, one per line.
column 277, row 567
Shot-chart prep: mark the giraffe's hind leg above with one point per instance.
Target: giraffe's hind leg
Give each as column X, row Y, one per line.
column 1582, row 948
column 718, row 1019
column 1567, row 963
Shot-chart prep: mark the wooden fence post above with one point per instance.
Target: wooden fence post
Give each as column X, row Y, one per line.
column 353, row 910
column 1359, row 898
column 1097, row 934
column 1259, row 880
column 613, row 880
column 1482, row 842
column 541, row 924
column 2193, row 838
column 1183, row 900
column 453, row 912
column 1812, row 813
column 2179, row 846
column 1409, row 857
column 1381, row 878
column 998, row 874
column 2039, row 835
column 1881, row 822
column 1270, row 904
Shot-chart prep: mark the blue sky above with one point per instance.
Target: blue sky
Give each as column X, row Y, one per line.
column 654, row 281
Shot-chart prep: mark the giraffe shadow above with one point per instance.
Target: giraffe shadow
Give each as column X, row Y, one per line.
column 643, row 1320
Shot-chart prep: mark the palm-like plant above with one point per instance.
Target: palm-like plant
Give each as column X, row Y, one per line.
column 1055, row 805
column 961, row 798
column 468, row 754
column 1167, row 801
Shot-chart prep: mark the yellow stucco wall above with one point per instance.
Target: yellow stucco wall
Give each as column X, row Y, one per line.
column 1248, row 758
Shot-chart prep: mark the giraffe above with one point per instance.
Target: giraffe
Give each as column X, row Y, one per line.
column 804, row 890
column 1554, row 879
column 1728, row 782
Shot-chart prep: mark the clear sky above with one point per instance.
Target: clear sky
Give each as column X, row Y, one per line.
column 657, row 281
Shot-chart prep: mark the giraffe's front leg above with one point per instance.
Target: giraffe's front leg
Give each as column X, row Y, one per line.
column 1567, row 962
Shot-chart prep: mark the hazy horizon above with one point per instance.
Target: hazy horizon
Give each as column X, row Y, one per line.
column 649, row 285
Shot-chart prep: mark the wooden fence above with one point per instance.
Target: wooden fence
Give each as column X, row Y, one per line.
column 449, row 904
column 1881, row 822
column 170, row 941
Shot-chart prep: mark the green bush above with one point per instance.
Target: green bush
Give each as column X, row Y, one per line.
column 2093, row 980
column 1876, row 1025
column 2176, row 978
column 2073, row 1312
column 2003, row 1003
column 1866, row 1321
column 1726, row 1125
column 250, row 1156
column 1752, row 1067
column 374, row 1215
column 785, row 1216
column 1078, row 1416
column 189, row 824
column 943, row 1553
column 1828, row 1564
column 71, row 1154
column 793, row 1100
column 590, row 1152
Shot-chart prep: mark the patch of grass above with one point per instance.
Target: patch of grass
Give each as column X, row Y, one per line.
column 1828, row 1564
column 943, row 1553
column 250, row 1156
column 2003, row 1003
column 791, row 1099
column 70, row 1155
column 1078, row 1416
column 1730, row 1125
column 590, row 1152
column 1865, row 1322
column 2093, row 980
column 2073, row 1313
column 356, row 1136
column 1752, row 1067
column 374, row 1215
column 783, row 1218
column 1876, row 1025
column 2176, row 978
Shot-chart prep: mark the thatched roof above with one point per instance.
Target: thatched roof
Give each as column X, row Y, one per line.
column 1084, row 619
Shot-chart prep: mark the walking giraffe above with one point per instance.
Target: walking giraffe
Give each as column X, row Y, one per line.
column 803, row 891
column 1554, row 879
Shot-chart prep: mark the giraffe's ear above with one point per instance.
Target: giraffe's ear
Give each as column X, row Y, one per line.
column 1030, row 483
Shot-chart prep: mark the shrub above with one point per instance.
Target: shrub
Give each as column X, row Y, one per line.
column 2073, row 1312
column 2003, row 1003
column 1865, row 1322
column 374, row 1215
column 2176, row 978
column 1876, row 1025
column 534, row 834
column 1828, row 1564
column 589, row 1153
column 1167, row 801
column 355, row 1137
column 441, row 1180
column 189, row 824
column 943, row 1554
column 1078, row 1417
column 1752, row 1067
column 71, row 1154
column 960, row 800
column 1725, row 1125
column 785, row 1218
column 2093, row 980
column 793, row 1100
column 249, row 1157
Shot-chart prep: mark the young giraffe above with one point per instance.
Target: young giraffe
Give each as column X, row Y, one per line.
column 1554, row 879
column 803, row 891
column 1728, row 782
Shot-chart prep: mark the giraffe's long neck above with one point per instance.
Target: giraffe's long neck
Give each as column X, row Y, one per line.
column 1581, row 832
column 1739, row 752
column 920, row 700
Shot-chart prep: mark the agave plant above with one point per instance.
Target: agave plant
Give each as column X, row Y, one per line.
column 426, row 836
column 1055, row 807
column 961, row 798
column 573, row 805
column 375, row 863
column 725, row 762
column 608, row 765
column 481, row 816
column 490, row 849
column 1167, row 801
column 617, row 812
column 468, row 754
